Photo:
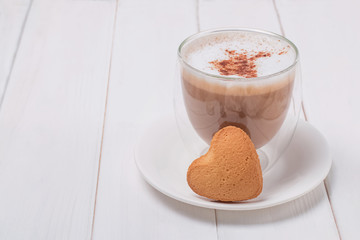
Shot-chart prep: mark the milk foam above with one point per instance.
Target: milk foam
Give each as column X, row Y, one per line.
column 200, row 52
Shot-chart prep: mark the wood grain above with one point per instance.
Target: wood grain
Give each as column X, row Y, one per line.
column 308, row 217
column 232, row 13
column 51, row 121
column 13, row 16
column 329, row 43
column 141, row 89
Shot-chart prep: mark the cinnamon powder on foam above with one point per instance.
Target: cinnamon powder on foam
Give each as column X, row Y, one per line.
column 240, row 64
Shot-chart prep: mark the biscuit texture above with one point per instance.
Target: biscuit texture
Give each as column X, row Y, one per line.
column 230, row 170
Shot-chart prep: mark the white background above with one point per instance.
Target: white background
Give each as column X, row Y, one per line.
column 79, row 78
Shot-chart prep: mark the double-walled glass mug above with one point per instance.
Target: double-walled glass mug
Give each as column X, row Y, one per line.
column 263, row 98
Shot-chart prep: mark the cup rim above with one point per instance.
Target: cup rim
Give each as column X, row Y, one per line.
column 238, row 78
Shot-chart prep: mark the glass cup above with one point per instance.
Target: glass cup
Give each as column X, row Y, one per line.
column 266, row 107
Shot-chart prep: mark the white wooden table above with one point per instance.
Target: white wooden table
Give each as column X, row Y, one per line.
column 79, row 78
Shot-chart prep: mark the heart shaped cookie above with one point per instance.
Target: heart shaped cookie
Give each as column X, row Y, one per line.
column 230, row 170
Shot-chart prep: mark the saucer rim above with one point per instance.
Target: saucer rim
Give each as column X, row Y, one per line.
column 240, row 206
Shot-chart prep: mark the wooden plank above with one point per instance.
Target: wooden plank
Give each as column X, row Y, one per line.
column 299, row 219
column 233, row 13
column 327, row 35
column 51, row 121
column 141, row 89
column 12, row 19
column 309, row 217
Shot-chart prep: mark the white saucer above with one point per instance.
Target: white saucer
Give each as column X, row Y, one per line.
column 162, row 159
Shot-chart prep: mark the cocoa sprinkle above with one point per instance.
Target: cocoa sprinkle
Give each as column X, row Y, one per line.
column 240, row 64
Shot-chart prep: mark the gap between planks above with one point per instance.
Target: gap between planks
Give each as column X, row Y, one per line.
column 197, row 7
column 7, row 79
column 307, row 120
column 104, row 119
